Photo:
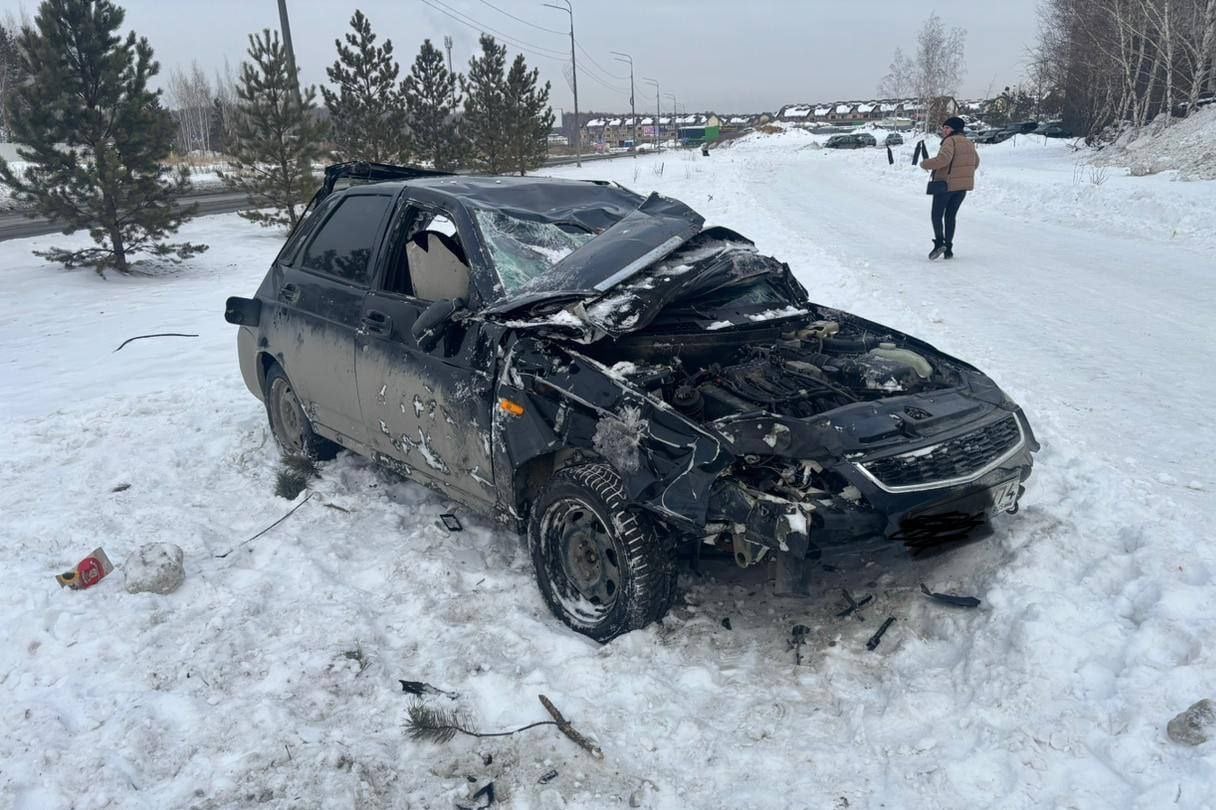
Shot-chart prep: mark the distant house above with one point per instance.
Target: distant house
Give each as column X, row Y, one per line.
column 868, row 110
column 795, row 113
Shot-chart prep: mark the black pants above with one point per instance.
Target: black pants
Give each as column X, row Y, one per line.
column 946, row 206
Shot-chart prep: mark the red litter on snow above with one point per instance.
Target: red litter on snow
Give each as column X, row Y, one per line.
column 87, row 573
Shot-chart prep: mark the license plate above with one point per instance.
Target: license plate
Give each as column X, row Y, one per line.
column 1004, row 497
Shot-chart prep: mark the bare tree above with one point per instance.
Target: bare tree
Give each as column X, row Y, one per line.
column 190, row 95
column 1126, row 62
column 939, row 63
column 898, row 83
column 225, row 107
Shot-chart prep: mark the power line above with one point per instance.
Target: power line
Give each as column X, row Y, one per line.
column 598, row 65
column 525, row 22
column 623, row 91
column 538, row 50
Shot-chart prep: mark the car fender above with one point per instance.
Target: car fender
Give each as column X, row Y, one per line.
column 555, row 402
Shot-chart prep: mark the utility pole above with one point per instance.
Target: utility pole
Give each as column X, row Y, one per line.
column 291, row 54
column 675, row 112
column 578, row 129
column 624, row 57
column 447, row 43
column 658, row 112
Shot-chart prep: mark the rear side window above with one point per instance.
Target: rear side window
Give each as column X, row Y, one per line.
column 343, row 246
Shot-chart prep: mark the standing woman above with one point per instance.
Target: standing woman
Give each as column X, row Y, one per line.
column 954, row 172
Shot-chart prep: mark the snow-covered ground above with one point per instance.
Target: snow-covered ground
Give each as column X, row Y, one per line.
column 271, row 677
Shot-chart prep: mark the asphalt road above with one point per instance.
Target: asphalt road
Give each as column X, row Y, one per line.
column 16, row 225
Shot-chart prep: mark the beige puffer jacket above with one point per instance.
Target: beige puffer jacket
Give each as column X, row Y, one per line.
column 961, row 175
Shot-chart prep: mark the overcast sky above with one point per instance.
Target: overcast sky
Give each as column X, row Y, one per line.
column 721, row 55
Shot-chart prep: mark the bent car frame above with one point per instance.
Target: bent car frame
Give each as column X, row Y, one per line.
column 603, row 372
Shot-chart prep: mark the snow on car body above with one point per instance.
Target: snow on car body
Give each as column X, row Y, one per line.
column 597, row 368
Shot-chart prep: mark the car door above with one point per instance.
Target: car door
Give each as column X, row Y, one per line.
column 318, row 293
column 427, row 411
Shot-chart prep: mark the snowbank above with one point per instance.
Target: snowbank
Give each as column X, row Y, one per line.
column 1187, row 146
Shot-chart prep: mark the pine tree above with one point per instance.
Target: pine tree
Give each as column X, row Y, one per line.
column 11, row 76
column 276, row 136
column 431, row 104
column 367, row 112
column 485, row 113
column 95, row 137
column 529, row 118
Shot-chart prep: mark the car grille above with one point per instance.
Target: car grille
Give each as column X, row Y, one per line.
column 954, row 460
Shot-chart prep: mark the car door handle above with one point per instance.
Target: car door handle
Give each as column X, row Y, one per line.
column 290, row 293
column 376, row 322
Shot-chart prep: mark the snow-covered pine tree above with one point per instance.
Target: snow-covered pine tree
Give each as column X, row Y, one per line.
column 95, row 137
column 367, row 111
column 484, row 124
column 529, row 117
column 276, row 136
column 431, row 103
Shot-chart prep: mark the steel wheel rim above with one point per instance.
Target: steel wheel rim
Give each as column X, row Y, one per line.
column 291, row 420
column 587, row 556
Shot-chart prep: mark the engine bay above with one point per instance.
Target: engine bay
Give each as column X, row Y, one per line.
column 806, row 370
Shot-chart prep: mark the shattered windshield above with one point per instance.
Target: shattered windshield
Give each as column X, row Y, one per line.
column 523, row 249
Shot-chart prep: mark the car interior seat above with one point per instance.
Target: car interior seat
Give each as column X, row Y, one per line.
column 438, row 267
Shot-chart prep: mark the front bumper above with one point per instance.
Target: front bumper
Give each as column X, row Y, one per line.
column 868, row 511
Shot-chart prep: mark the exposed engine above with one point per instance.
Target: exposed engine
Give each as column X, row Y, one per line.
column 807, row 372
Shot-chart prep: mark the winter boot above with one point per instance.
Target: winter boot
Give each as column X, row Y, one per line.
column 938, row 248
column 949, row 254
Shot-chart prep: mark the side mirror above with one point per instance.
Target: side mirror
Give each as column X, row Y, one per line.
column 243, row 311
column 433, row 322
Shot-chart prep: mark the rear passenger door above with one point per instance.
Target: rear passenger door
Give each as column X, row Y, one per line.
column 319, row 297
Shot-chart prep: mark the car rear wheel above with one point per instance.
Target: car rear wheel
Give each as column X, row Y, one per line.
column 289, row 423
column 600, row 567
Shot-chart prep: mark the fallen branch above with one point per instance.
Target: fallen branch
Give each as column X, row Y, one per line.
column 290, row 512
column 564, row 726
column 441, row 725
column 158, row 334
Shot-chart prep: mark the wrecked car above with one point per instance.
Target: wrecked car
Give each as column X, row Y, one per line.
column 599, row 370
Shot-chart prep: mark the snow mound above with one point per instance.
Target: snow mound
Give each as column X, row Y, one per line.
column 154, row 568
column 1187, row 146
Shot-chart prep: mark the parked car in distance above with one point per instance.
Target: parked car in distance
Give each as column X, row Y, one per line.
column 990, row 136
column 893, row 139
column 596, row 369
column 1053, row 129
column 856, row 140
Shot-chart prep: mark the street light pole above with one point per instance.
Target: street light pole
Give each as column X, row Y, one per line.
column 675, row 112
column 658, row 112
column 624, row 57
column 291, row 54
column 447, row 44
column 578, row 129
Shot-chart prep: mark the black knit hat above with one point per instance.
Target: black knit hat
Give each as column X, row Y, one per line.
column 955, row 123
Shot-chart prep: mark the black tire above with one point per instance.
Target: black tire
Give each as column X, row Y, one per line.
column 600, row 567
column 289, row 423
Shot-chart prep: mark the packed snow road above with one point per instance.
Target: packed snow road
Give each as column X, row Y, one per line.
column 271, row 677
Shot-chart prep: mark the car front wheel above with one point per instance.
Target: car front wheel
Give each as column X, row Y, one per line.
column 600, row 566
column 289, row 423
